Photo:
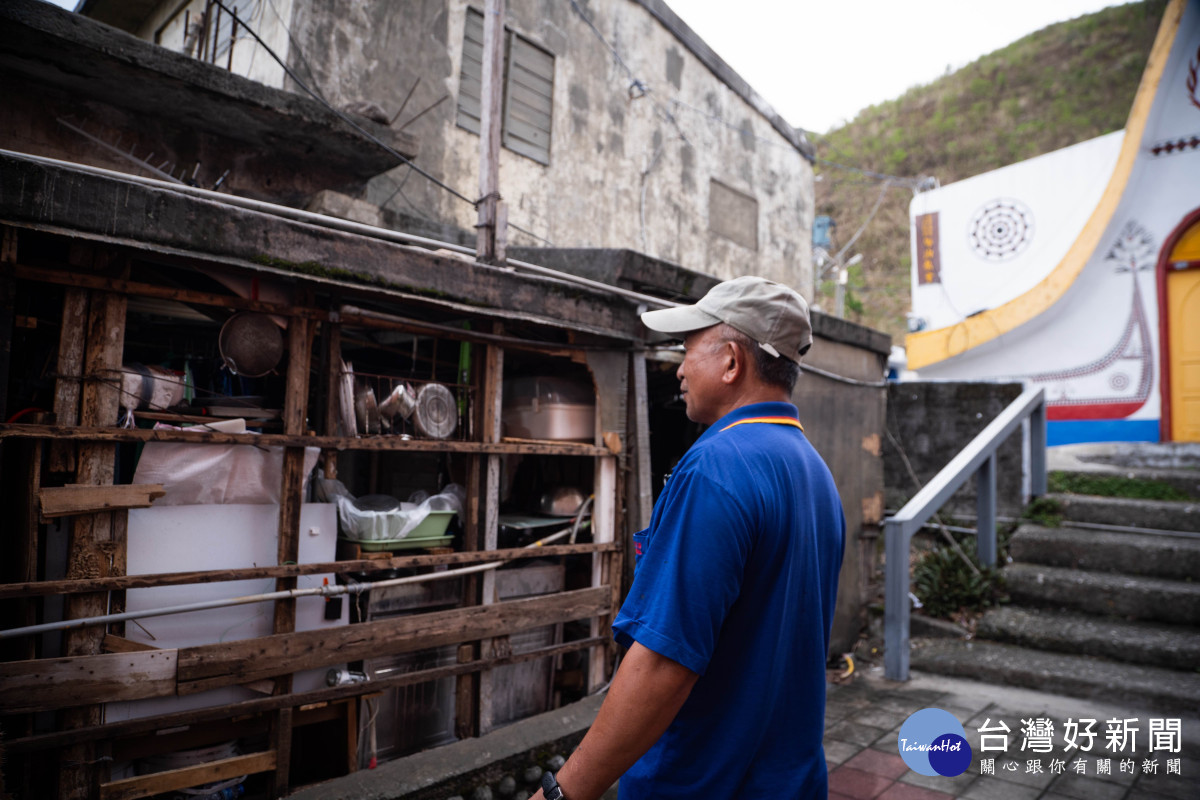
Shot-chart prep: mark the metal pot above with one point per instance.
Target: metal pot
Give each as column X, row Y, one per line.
column 250, row 344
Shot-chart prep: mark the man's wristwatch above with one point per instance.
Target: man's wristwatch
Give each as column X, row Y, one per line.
column 550, row 787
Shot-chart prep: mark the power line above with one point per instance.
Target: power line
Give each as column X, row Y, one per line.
column 386, row 147
column 320, row 98
column 916, row 183
column 636, row 84
column 878, row 202
column 312, row 76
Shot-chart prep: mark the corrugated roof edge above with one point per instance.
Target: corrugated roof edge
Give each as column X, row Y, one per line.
column 726, row 74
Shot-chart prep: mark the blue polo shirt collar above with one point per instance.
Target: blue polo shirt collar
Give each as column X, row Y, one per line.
column 771, row 409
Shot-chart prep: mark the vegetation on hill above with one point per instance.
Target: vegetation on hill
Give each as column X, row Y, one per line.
column 1064, row 84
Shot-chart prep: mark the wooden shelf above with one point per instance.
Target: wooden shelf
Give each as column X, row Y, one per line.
column 377, row 443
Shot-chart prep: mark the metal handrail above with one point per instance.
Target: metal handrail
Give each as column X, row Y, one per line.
column 979, row 459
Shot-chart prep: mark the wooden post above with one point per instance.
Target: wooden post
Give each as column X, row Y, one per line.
column 467, row 686
column 491, row 96
column 27, row 479
column 71, row 344
column 492, row 392
column 8, row 257
column 604, row 511
column 91, row 547
column 300, row 338
column 333, row 394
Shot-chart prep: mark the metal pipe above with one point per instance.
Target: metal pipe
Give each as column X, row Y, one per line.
column 985, row 505
column 335, row 223
column 896, row 608
column 977, row 458
column 325, row 590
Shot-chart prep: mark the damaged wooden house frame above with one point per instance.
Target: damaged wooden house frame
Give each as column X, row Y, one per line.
column 335, row 292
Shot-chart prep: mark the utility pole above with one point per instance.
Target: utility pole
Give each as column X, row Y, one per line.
column 843, row 277
column 491, row 229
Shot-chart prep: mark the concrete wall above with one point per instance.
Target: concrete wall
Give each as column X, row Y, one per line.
column 845, row 423
column 624, row 172
column 929, row 422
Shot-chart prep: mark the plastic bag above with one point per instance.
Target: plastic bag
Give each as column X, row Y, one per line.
column 202, row 474
column 362, row 523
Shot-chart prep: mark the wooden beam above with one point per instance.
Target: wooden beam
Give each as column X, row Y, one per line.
column 289, row 534
column 25, row 528
column 48, row 683
column 300, row 341
column 72, row 681
column 81, row 281
column 491, row 397
column 119, row 644
column 353, row 317
column 281, row 734
column 121, row 582
column 91, row 546
column 89, row 550
column 67, row 386
column 187, row 777
column 77, row 498
column 604, row 525
column 333, row 383
column 248, row 708
column 373, row 443
column 8, row 292
column 211, row 666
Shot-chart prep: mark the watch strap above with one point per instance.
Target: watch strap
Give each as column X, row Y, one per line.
column 550, row 788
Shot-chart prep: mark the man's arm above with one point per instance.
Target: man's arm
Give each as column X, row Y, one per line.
column 646, row 694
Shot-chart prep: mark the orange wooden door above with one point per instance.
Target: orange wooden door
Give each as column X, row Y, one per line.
column 1183, row 326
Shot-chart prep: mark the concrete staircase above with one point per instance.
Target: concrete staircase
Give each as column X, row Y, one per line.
column 1106, row 606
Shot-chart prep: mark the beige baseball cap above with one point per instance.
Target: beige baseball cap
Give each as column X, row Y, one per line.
column 770, row 313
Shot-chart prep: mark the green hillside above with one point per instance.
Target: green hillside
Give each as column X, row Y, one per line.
column 1062, row 85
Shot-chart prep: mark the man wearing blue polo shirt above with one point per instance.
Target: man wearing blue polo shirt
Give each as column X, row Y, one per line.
column 722, row 691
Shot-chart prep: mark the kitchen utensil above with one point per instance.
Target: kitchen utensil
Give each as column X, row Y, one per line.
column 250, row 344
column 563, row 501
column 365, row 409
column 436, row 414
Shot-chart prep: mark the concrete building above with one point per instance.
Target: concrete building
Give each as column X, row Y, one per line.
column 117, row 256
column 621, row 128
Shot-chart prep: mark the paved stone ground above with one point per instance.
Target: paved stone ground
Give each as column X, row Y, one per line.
column 862, row 726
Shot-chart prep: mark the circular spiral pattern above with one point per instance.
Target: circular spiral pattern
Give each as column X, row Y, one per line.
column 1119, row 381
column 1001, row 229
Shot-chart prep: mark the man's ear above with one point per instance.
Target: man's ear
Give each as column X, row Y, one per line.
column 735, row 364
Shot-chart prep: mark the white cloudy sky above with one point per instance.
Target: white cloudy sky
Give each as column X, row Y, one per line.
column 818, row 62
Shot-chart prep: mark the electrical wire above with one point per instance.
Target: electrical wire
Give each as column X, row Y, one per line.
column 326, row 590
column 861, row 228
column 316, row 94
column 312, row 76
column 636, row 84
column 833, row 376
column 336, row 223
column 911, row 183
column 345, row 118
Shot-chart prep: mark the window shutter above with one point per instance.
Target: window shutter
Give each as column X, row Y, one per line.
column 528, row 90
column 528, row 99
column 471, row 78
